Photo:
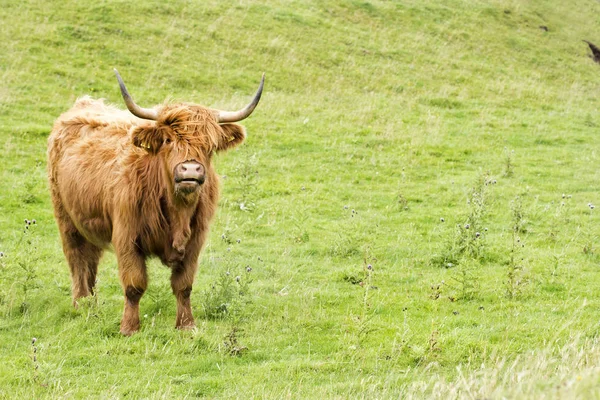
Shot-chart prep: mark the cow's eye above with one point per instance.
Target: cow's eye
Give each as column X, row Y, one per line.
column 167, row 141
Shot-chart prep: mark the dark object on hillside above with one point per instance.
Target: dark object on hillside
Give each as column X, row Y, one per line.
column 595, row 51
column 544, row 28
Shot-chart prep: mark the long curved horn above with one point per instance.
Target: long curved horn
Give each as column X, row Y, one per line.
column 234, row 116
column 145, row 113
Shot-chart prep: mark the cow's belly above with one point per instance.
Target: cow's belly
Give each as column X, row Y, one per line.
column 92, row 222
column 86, row 199
column 96, row 230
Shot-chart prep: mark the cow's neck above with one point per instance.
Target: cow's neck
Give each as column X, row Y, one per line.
column 164, row 214
column 180, row 218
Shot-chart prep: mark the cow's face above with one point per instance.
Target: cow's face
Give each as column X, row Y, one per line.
column 185, row 136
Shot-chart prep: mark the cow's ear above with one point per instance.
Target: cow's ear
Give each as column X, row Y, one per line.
column 148, row 137
column 232, row 136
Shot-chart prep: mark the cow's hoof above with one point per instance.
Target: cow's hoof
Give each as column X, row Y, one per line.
column 79, row 298
column 128, row 332
column 187, row 327
column 129, row 329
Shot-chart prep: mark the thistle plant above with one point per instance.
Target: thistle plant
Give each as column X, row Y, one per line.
column 227, row 296
column 351, row 237
column 433, row 341
column 301, row 220
column 514, row 276
column 232, row 345
column 362, row 320
column 588, row 237
column 465, row 280
column 34, row 360
column 26, row 257
column 246, row 173
column 468, row 239
column 561, row 216
column 401, row 202
column 508, row 162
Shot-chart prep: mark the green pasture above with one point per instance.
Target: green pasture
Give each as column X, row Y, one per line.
column 413, row 214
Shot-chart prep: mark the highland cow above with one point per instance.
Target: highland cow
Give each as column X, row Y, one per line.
column 142, row 183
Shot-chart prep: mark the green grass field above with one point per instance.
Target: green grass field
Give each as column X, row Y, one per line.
column 451, row 146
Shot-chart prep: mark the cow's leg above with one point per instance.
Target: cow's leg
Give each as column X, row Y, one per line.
column 182, row 279
column 134, row 280
column 82, row 256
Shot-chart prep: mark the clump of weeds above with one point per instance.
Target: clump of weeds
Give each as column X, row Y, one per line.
column 588, row 237
column 21, row 262
column 509, row 165
column 434, row 348
column 28, row 257
column 401, row 202
column 467, row 241
column 515, row 278
column 465, row 280
column 35, row 363
column 228, row 295
column 436, row 290
column 246, row 173
column 350, row 237
column 226, row 299
column 561, row 217
column 430, row 352
column 363, row 318
column 465, row 247
column 227, row 236
column 301, row 220
column 232, row 345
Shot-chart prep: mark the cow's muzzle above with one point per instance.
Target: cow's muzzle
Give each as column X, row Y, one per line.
column 189, row 175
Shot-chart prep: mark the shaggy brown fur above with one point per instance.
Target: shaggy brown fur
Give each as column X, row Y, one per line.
column 112, row 182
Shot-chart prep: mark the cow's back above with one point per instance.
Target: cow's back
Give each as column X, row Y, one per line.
column 85, row 120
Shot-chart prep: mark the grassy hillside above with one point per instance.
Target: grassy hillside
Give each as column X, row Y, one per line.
column 450, row 146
